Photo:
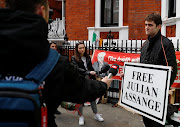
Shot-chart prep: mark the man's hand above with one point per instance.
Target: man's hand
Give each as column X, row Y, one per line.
column 121, row 74
column 92, row 72
column 107, row 81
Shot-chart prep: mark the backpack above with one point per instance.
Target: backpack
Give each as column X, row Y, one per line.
column 20, row 100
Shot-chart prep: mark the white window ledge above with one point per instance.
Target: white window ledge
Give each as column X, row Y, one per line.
column 62, row 40
column 107, row 29
column 171, row 21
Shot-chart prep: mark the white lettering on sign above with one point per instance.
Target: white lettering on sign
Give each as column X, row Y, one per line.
column 125, row 59
column 111, row 58
column 13, row 78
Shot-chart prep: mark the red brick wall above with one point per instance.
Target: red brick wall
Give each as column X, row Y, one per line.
column 80, row 14
column 171, row 31
column 125, row 12
column 137, row 11
column 2, row 4
column 55, row 5
column 103, row 35
column 57, row 8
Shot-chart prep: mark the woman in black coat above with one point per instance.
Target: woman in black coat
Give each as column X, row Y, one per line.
column 83, row 62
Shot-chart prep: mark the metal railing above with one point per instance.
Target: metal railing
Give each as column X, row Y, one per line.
column 127, row 46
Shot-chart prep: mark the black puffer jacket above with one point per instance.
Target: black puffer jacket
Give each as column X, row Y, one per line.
column 65, row 82
column 23, row 38
column 152, row 53
column 81, row 67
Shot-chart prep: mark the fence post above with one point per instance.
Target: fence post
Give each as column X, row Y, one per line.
column 102, row 45
column 126, row 46
column 92, row 48
column 118, row 45
column 131, row 46
column 177, row 44
column 73, row 48
column 68, row 51
column 122, row 46
column 89, row 48
column 136, row 47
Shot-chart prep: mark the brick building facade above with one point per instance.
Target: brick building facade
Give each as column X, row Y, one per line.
column 80, row 14
column 83, row 17
column 137, row 11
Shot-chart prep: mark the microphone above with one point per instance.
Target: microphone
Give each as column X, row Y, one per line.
column 113, row 70
column 104, row 68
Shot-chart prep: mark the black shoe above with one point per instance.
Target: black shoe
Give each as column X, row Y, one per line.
column 58, row 112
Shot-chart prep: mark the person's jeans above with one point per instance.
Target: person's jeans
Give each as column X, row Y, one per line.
column 93, row 106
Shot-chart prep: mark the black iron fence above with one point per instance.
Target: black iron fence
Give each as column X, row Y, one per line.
column 127, row 46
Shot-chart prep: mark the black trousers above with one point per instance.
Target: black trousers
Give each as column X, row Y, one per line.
column 51, row 119
column 151, row 123
column 52, row 106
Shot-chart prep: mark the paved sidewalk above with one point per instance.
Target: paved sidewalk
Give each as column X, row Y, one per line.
column 113, row 117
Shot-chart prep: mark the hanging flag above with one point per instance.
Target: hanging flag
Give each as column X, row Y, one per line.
column 100, row 42
column 94, row 37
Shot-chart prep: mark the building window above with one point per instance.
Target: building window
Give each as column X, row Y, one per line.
column 110, row 13
column 172, row 8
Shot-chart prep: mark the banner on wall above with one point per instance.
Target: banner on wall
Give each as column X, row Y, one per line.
column 114, row 57
column 119, row 58
column 145, row 90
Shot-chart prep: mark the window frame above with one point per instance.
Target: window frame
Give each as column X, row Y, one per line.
column 102, row 15
column 171, row 7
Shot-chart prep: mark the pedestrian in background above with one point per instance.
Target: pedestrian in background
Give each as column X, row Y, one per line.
column 53, row 45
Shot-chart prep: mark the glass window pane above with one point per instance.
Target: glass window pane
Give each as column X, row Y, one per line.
column 172, row 8
column 115, row 11
column 107, row 12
